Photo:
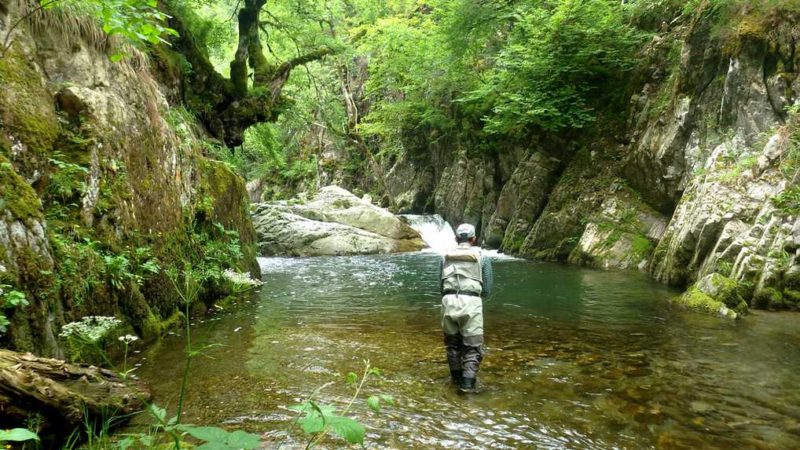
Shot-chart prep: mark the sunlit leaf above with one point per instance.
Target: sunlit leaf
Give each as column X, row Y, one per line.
column 349, row 429
column 210, row 434
column 312, row 424
column 374, row 403
column 242, row 440
column 18, row 435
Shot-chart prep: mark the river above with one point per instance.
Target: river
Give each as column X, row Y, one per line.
column 575, row 359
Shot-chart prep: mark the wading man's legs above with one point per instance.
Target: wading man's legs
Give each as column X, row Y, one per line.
column 462, row 322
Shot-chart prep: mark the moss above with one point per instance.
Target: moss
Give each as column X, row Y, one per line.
column 642, row 247
column 16, row 195
column 26, row 108
column 791, row 297
column 722, row 289
column 768, row 298
column 228, row 200
column 696, row 300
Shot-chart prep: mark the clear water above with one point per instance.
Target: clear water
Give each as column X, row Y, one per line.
column 575, row 359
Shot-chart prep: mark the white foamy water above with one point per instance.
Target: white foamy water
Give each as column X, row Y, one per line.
column 435, row 231
column 494, row 254
column 439, row 234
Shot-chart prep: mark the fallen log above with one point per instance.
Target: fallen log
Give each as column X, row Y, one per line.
column 64, row 395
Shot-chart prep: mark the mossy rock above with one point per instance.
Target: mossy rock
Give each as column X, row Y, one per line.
column 768, row 298
column 791, row 278
column 791, row 298
column 724, row 290
column 26, row 109
column 16, row 195
column 696, row 300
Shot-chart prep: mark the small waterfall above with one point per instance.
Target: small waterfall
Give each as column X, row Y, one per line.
column 435, row 231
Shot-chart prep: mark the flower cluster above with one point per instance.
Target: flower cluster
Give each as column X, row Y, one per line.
column 128, row 338
column 240, row 279
column 90, row 328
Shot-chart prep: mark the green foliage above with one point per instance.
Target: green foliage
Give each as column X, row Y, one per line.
column 218, row 439
column 140, row 22
column 319, row 420
column 10, row 298
column 557, row 55
column 67, row 180
column 17, row 435
column 788, row 201
column 642, row 246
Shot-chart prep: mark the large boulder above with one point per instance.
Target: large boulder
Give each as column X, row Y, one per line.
column 334, row 222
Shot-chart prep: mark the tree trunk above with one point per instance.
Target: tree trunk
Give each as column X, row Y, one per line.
column 226, row 107
column 64, row 394
column 249, row 48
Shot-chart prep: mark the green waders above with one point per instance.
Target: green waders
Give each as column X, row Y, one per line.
column 462, row 322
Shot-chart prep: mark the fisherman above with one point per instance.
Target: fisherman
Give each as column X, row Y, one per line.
column 466, row 276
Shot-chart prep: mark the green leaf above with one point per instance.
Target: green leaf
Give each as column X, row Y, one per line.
column 312, row 424
column 388, row 399
column 18, row 435
column 349, row 429
column 215, row 446
column 116, row 57
column 159, row 413
column 241, row 439
column 374, row 403
column 208, row 434
column 351, row 378
column 126, row 443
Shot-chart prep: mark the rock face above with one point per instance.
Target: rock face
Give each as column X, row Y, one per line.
column 701, row 180
column 334, row 222
column 98, row 175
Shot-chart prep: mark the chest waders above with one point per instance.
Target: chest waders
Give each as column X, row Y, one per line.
column 462, row 313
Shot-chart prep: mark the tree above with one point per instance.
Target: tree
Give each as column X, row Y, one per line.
column 227, row 107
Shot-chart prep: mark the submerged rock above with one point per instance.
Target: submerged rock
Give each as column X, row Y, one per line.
column 334, row 222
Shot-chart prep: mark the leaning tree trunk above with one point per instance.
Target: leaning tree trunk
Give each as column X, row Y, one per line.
column 227, row 107
column 64, row 394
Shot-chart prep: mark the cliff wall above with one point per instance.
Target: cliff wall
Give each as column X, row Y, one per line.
column 101, row 183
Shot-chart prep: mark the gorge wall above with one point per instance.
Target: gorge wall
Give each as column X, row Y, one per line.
column 102, row 182
column 700, row 177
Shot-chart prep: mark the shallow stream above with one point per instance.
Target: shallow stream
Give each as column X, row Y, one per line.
column 575, row 359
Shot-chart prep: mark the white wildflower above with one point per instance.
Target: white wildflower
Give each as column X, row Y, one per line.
column 128, row 338
column 90, row 328
column 240, row 279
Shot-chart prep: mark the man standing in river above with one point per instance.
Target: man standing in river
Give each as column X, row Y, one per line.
column 466, row 276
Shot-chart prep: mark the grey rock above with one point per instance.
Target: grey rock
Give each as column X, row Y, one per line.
column 334, row 222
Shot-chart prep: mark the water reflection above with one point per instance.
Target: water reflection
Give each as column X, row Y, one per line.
column 575, row 359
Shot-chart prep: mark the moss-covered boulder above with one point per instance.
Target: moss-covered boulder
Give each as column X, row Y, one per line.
column 715, row 294
column 696, row 300
column 723, row 289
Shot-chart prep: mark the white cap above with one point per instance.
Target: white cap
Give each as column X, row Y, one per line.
column 465, row 231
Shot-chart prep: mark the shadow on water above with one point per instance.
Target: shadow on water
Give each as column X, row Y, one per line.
column 575, row 359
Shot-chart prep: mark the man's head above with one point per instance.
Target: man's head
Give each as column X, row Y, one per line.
column 465, row 233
